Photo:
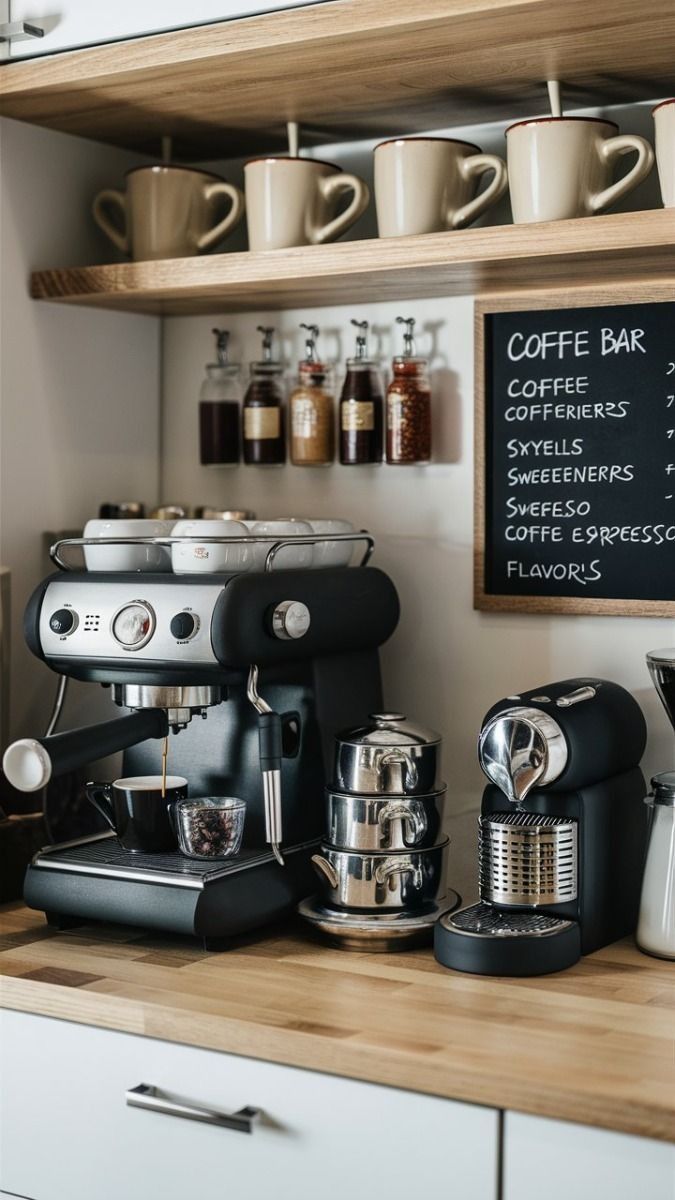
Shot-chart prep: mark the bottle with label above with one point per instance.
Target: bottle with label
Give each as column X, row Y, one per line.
column 263, row 426
column 219, row 404
column 361, row 406
column 409, row 405
column 312, row 408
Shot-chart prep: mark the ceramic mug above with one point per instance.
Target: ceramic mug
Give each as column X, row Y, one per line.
column 426, row 185
column 168, row 212
column 207, row 556
column 293, row 202
column 127, row 556
column 137, row 812
column 291, row 558
column 562, row 167
column 664, row 125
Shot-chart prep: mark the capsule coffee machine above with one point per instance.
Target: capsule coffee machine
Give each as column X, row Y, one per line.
column 276, row 661
column 561, row 832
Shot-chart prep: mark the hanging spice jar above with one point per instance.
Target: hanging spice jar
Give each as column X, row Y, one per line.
column 263, row 425
column 361, row 406
column 219, row 403
column 409, row 405
column 312, row 409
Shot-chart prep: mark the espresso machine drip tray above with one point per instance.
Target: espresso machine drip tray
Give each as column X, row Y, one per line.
column 485, row 940
column 95, row 879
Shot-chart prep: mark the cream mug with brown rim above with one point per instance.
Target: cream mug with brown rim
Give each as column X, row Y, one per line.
column 168, row 212
column 293, row 202
column 562, row 167
column 425, row 185
column 664, row 124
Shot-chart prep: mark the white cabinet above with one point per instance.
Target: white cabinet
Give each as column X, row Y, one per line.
column 68, row 1134
column 562, row 1161
column 83, row 23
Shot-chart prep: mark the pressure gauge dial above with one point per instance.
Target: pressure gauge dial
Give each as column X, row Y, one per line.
column 133, row 625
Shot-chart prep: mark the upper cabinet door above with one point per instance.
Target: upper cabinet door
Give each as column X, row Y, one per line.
column 71, row 23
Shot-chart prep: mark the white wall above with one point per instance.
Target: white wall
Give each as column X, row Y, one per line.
column 446, row 663
column 79, row 390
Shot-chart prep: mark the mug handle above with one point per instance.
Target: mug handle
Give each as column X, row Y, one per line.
column 334, row 185
column 613, row 148
column 98, row 795
column 220, row 188
column 478, row 164
column 118, row 200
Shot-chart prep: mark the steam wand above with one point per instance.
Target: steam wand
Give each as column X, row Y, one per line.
column 269, row 733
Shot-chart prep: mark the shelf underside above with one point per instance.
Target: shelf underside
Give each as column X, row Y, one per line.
column 351, row 68
column 590, row 250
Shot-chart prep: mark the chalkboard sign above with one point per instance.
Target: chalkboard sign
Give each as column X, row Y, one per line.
column 575, row 454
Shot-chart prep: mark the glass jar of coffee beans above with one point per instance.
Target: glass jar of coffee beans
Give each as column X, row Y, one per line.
column 409, row 405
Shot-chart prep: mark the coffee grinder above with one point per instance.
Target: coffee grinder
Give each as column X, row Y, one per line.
column 277, row 661
column 561, row 832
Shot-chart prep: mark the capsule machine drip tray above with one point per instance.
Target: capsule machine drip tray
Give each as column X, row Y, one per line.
column 486, row 940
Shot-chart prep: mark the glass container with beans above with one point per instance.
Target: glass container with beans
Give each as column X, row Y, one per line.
column 312, row 409
column 209, row 826
column 219, row 401
column 361, row 406
column 409, row 405
column 263, row 425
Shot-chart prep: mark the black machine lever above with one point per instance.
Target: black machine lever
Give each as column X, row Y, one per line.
column 30, row 763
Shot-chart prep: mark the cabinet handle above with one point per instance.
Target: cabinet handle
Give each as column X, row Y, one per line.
column 146, row 1095
column 19, row 31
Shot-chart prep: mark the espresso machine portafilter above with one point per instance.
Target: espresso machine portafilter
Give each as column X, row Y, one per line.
column 561, row 831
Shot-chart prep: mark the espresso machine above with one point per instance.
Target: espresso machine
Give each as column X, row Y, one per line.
column 562, row 831
column 254, row 673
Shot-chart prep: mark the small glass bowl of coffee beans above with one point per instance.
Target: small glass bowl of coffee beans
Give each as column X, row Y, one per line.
column 210, row 826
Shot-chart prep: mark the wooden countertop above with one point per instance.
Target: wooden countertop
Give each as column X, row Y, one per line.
column 594, row 1044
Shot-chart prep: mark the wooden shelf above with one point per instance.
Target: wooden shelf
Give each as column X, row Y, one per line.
column 560, row 253
column 348, row 68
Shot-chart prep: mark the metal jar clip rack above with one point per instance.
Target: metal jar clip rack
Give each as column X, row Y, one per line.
column 382, row 866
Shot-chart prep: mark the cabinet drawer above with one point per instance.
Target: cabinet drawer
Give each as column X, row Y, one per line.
column 563, row 1161
column 68, row 1133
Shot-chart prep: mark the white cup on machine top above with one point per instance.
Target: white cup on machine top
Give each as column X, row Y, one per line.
column 206, row 555
column 288, row 557
column 127, row 557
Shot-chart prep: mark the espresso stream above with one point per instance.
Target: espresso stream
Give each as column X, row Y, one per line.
column 165, row 755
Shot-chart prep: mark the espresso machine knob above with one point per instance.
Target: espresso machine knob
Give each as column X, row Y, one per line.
column 184, row 626
column 63, row 621
column 290, row 620
column 134, row 624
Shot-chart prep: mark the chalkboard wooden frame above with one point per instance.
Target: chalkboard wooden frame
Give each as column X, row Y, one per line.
column 625, row 292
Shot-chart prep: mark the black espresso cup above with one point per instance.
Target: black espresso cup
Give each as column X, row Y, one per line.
column 138, row 812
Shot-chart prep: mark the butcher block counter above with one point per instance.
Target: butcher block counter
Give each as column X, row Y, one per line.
column 593, row 1045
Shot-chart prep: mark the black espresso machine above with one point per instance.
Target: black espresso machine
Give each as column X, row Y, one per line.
column 277, row 661
column 561, row 833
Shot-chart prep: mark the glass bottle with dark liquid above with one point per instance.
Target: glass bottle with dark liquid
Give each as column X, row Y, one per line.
column 361, row 407
column 263, row 424
column 219, row 403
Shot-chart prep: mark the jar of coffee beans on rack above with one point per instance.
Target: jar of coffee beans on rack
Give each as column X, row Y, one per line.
column 219, row 401
column 263, row 425
column 312, row 409
column 409, row 405
column 361, row 406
